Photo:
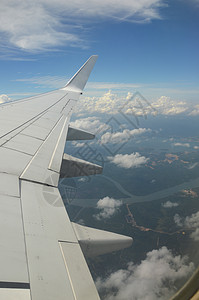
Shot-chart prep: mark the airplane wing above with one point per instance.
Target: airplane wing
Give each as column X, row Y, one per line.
column 41, row 251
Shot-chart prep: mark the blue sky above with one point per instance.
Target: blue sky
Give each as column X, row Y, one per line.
column 149, row 45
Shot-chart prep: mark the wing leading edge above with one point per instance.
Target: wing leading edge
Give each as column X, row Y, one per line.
column 41, row 250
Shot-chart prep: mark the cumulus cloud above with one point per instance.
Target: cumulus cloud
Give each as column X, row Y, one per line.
column 191, row 222
column 40, row 25
column 132, row 104
column 107, row 103
column 127, row 161
column 76, row 144
column 178, row 220
column 187, row 145
column 170, row 204
column 123, row 136
column 166, row 106
column 112, row 103
column 195, row 111
column 195, row 235
column 139, row 106
column 196, row 147
column 4, row 98
column 154, row 278
column 91, row 124
column 108, row 207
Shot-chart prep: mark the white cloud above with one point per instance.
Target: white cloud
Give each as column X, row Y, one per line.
column 195, row 235
column 127, row 161
column 108, row 103
column 139, row 106
column 196, row 147
column 82, row 179
column 154, row 278
column 178, row 220
column 134, row 105
column 187, row 145
column 108, row 207
column 191, row 222
column 166, row 106
column 40, row 25
column 170, row 204
column 195, row 111
column 91, row 124
column 4, row 98
column 76, row 144
column 123, row 136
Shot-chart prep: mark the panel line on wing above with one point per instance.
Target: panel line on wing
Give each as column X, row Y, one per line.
column 23, row 152
column 40, row 147
column 38, row 115
column 38, row 167
column 56, row 146
column 25, row 99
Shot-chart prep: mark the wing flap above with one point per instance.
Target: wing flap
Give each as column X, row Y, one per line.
column 52, row 270
column 13, row 264
column 78, row 272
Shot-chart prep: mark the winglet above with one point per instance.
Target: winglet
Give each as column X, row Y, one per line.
column 78, row 81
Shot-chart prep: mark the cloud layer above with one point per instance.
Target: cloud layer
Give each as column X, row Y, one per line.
column 108, row 207
column 134, row 105
column 127, row 161
column 154, row 278
column 40, row 25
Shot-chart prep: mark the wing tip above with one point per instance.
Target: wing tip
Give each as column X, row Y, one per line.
column 79, row 80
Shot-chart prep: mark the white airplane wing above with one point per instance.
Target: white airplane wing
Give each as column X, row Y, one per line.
column 41, row 251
